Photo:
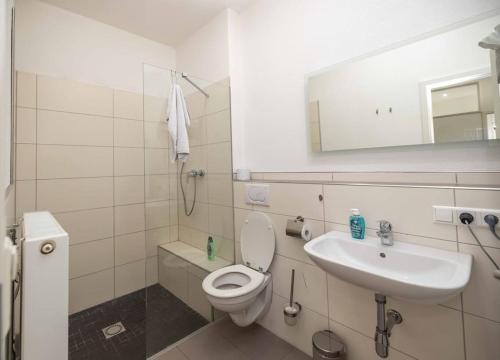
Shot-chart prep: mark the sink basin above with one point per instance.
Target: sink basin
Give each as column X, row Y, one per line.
column 405, row 271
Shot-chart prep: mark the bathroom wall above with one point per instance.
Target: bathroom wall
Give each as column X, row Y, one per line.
column 81, row 155
column 210, row 142
column 53, row 41
column 466, row 327
column 205, row 53
column 282, row 41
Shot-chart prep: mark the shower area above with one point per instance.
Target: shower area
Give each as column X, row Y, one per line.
column 182, row 211
column 99, row 160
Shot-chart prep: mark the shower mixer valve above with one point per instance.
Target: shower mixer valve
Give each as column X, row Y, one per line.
column 196, row 172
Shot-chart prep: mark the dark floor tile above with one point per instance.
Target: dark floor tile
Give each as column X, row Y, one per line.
column 153, row 318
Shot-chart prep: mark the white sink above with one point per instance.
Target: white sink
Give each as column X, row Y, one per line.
column 405, row 271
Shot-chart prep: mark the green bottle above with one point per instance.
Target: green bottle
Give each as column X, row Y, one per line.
column 211, row 249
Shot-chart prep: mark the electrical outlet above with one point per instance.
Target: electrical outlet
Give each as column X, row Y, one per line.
column 451, row 215
column 483, row 213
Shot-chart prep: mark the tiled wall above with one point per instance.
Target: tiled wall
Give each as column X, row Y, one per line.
column 210, row 140
column 81, row 155
column 466, row 327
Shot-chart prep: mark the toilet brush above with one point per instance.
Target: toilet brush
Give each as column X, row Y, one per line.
column 292, row 309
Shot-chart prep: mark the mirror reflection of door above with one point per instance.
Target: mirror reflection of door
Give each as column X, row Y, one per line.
column 464, row 112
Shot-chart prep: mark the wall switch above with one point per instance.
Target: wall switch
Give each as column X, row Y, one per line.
column 257, row 194
column 443, row 214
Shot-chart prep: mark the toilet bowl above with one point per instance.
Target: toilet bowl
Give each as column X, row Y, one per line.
column 245, row 291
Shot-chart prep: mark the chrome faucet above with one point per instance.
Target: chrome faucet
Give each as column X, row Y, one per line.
column 385, row 233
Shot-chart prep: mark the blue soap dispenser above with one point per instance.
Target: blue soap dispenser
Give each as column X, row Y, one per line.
column 357, row 224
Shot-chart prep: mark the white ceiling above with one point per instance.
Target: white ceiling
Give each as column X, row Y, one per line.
column 165, row 21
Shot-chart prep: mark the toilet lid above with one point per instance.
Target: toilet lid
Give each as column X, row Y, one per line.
column 257, row 241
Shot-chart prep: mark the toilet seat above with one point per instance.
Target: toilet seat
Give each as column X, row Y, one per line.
column 232, row 281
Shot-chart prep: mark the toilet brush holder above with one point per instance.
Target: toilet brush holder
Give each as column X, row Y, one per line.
column 292, row 309
column 291, row 313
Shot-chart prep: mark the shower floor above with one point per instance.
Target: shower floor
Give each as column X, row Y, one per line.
column 149, row 329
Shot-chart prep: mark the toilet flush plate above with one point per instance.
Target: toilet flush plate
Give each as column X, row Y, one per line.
column 258, row 194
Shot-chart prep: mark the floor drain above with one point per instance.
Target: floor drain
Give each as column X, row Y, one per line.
column 113, row 330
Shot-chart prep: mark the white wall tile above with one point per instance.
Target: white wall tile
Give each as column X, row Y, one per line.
column 198, row 219
column 218, row 127
column 26, row 90
column 128, row 105
column 156, row 134
column 219, row 158
column 58, row 162
column 151, row 270
column 90, row 257
column 25, row 161
column 155, row 108
column 157, row 162
column 87, row 225
column 129, row 219
column 483, row 199
column 443, row 340
column 73, row 96
column 157, row 187
column 90, row 290
column 479, row 179
column 129, row 190
column 62, row 128
column 310, row 283
column 157, row 214
column 201, row 188
column 197, row 299
column 197, row 158
column 128, row 133
column 129, row 161
column 74, row 194
column 361, row 347
column 481, row 338
column 224, row 247
column 299, row 335
column 294, row 200
column 219, row 97
column 130, row 277
column 221, row 221
column 25, row 197
column 173, row 274
column 26, row 126
column 130, row 248
column 352, row 306
column 396, row 177
column 408, row 209
column 197, row 132
column 220, row 190
column 155, row 237
column 174, row 212
column 239, row 189
column 296, row 176
column 482, row 295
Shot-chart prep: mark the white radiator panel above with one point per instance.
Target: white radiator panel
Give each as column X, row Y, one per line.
column 44, row 289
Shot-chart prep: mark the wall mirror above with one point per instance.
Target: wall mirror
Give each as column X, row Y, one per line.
column 441, row 89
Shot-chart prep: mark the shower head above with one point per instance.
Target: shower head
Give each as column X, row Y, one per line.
column 492, row 41
column 496, row 274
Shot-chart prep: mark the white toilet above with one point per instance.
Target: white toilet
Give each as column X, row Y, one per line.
column 245, row 291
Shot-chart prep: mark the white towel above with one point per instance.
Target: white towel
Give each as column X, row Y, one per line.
column 178, row 122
